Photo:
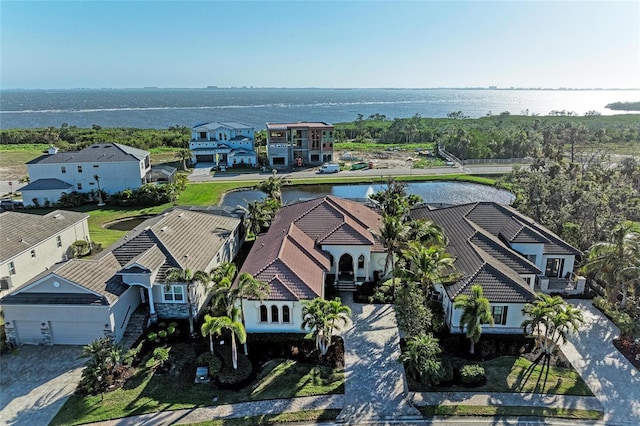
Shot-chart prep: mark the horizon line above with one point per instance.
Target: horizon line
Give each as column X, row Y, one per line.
column 322, row 88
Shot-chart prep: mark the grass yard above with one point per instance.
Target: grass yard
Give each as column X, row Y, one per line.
column 506, row 374
column 486, row 410
column 149, row 393
column 305, row 417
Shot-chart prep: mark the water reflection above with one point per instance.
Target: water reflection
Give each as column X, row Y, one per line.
column 431, row 192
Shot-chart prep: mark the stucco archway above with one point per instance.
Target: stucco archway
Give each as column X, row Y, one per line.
column 345, row 267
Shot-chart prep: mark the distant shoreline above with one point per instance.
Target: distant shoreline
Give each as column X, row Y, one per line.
column 624, row 106
column 213, row 88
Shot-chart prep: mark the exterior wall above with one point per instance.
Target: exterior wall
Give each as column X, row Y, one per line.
column 355, row 252
column 47, row 254
column 52, row 195
column 569, row 261
column 252, row 323
column 122, row 310
column 531, row 249
column 114, row 177
column 532, row 280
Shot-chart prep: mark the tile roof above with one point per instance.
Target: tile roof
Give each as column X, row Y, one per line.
column 46, row 184
column 20, row 232
column 477, row 234
column 309, row 124
column 214, row 125
column 289, row 256
column 107, row 152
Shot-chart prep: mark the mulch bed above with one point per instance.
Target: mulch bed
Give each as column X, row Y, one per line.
column 629, row 350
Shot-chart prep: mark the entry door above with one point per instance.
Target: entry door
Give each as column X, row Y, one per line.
column 554, row 268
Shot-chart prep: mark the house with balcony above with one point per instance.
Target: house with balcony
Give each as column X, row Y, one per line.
column 33, row 243
column 78, row 301
column 309, row 245
column 302, row 143
column 508, row 254
column 117, row 166
column 227, row 144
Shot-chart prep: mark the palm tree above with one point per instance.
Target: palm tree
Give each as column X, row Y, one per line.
column 216, row 325
column 617, row 261
column 273, row 186
column 426, row 265
column 186, row 277
column 394, row 200
column 476, row 311
column 97, row 179
column 227, row 296
column 540, row 314
column 25, row 179
column 323, row 318
column 427, row 232
column 259, row 214
column 183, row 154
column 392, row 234
column 422, row 357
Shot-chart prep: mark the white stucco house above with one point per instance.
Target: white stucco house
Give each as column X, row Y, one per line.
column 118, row 167
column 77, row 301
column 505, row 252
column 226, row 144
column 326, row 240
column 29, row 243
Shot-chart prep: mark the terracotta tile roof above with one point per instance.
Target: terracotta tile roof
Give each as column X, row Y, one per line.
column 289, row 256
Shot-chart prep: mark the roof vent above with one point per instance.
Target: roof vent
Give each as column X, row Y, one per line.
column 164, row 228
column 57, row 215
column 180, row 215
column 186, row 255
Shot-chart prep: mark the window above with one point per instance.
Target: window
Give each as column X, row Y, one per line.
column 219, row 136
column 95, row 166
column 263, row 314
column 286, row 314
column 63, row 169
column 79, row 187
column 274, row 313
column 531, row 258
column 173, row 293
column 58, row 241
column 79, row 169
column 203, row 135
column 499, row 314
column 527, row 280
column 12, row 268
column 33, row 253
column 361, row 262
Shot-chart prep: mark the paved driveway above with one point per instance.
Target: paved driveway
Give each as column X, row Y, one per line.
column 35, row 382
column 613, row 380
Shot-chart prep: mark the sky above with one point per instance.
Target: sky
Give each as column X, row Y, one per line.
column 412, row 44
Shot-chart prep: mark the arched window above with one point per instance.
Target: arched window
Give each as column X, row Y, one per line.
column 263, row 314
column 286, row 316
column 274, row 313
column 361, row 262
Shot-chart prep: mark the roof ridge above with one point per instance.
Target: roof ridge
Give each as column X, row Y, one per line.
column 471, row 277
column 346, row 212
column 318, row 203
column 297, row 276
column 162, row 247
column 303, row 248
column 276, row 277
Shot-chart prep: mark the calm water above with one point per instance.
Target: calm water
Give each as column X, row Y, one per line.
column 161, row 108
column 431, row 192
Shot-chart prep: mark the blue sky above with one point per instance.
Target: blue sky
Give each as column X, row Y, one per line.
column 61, row 44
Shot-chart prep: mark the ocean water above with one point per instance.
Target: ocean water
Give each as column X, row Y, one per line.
column 161, row 108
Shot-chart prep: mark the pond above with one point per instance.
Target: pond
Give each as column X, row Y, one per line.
column 126, row 224
column 438, row 193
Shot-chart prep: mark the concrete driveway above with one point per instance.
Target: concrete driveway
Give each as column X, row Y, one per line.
column 35, row 381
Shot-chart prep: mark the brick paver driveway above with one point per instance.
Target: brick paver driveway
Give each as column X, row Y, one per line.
column 35, row 381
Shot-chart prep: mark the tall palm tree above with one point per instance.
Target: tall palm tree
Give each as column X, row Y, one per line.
column 392, row 234
column 323, row 318
column 183, row 155
column 273, row 186
column 189, row 279
column 100, row 201
column 427, row 232
column 394, row 200
column 476, row 311
column 228, row 296
column 617, row 261
column 259, row 214
column 217, row 325
column 426, row 265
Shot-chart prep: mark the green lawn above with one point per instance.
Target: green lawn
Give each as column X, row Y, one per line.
column 304, row 417
column 506, row 374
column 147, row 393
column 489, row 410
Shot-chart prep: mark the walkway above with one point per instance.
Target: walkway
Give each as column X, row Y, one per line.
column 614, row 381
column 375, row 386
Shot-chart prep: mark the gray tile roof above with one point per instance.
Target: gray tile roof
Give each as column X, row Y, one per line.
column 20, row 232
column 53, row 299
column 46, row 184
column 96, row 153
column 214, row 125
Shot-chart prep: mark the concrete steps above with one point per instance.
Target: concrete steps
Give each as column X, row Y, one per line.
column 135, row 327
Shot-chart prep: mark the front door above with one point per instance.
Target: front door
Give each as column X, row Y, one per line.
column 345, row 267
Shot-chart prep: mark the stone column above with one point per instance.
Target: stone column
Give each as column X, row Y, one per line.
column 152, row 307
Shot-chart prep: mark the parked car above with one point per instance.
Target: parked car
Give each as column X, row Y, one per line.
column 202, row 375
column 10, row 205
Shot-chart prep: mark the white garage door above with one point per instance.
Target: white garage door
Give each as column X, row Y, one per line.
column 75, row 333
column 28, row 332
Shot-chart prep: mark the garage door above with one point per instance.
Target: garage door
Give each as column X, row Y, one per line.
column 204, row 158
column 28, row 332
column 75, row 333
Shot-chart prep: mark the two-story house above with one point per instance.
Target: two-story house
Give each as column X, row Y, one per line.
column 118, row 167
column 78, row 301
column 226, row 144
column 32, row 243
column 299, row 143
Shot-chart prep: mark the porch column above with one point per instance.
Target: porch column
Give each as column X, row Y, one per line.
column 366, row 268
column 354, row 266
column 152, row 307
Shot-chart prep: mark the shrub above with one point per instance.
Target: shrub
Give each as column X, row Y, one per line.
column 161, row 355
column 103, row 368
column 472, row 375
column 171, row 330
column 228, row 377
column 173, row 324
column 152, row 337
column 162, row 334
column 162, row 325
column 211, row 361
